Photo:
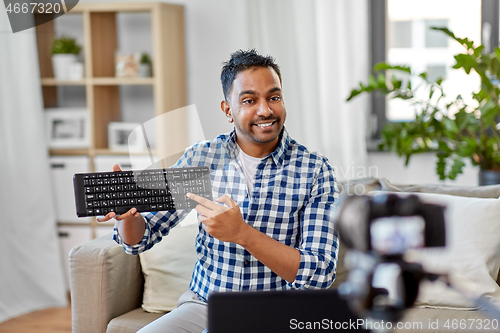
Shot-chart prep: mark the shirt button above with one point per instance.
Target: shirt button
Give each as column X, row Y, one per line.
column 246, row 262
column 246, row 195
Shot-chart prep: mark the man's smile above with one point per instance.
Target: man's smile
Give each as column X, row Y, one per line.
column 266, row 124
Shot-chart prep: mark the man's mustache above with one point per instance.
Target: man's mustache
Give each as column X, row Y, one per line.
column 260, row 120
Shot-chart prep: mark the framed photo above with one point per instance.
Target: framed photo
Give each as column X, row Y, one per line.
column 67, row 128
column 126, row 65
column 126, row 137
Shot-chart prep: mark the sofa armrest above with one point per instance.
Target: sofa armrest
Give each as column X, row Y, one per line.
column 105, row 283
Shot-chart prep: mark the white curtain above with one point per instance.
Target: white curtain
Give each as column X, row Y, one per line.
column 322, row 49
column 31, row 275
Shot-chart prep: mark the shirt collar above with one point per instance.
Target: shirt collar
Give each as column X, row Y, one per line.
column 278, row 155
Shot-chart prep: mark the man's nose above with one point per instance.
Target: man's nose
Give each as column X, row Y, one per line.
column 264, row 110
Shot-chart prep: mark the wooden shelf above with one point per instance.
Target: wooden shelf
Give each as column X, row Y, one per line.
column 48, row 81
column 74, row 224
column 105, row 224
column 99, row 81
column 68, row 152
column 119, row 153
column 102, row 89
column 117, row 7
column 110, row 81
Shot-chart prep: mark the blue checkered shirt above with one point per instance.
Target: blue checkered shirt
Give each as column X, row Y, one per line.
column 294, row 197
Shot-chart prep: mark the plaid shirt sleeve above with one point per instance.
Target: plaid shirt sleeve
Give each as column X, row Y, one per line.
column 158, row 224
column 319, row 245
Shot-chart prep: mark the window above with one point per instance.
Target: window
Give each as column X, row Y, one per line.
column 401, row 35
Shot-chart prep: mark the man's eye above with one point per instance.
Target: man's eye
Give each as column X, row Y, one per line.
column 248, row 101
column 275, row 98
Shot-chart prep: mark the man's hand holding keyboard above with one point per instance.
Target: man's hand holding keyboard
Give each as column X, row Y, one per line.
column 131, row 225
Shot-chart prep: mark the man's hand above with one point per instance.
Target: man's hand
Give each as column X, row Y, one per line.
column 227, row 224
column 221, row 222
column 131, row 225
column 130, row 214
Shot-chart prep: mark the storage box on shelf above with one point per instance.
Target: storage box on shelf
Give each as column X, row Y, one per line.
column 100, row 27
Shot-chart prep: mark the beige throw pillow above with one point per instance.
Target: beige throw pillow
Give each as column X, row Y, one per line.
column 472, row 254
column 168, row 266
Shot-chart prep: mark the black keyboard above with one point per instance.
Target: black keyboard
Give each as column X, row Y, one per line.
column 147, row 190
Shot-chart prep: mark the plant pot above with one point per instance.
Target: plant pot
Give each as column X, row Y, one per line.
column 61, row 64
column 489, row 177
column 144, row 70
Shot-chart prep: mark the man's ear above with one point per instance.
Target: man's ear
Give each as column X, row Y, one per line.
column 226, row 108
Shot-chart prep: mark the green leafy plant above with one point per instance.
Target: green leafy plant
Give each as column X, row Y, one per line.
column 65, row 45
column 145, row 60
column 454, row 130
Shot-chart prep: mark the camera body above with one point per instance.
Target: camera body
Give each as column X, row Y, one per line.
column 379, row 230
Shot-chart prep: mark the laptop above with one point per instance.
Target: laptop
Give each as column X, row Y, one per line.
column 280, row 311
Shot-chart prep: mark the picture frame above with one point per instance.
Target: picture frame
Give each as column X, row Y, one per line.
column 125, row 137
column 67, row 128
column 127, row 65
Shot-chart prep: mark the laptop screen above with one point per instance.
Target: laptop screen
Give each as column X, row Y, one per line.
column 280, row 311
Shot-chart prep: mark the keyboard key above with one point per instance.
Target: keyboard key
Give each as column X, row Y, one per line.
column 124, row 209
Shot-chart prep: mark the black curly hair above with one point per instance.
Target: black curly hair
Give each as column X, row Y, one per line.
column 243, row 60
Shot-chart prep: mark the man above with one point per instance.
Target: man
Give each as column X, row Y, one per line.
column 271, row 225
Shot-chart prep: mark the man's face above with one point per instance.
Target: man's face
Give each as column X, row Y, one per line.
column 255, row 104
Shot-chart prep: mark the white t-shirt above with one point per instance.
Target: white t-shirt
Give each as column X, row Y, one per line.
column 249, row 164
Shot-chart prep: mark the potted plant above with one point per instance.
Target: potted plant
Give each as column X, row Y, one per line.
column 453, row 130
column 145, row 66
column 65, row 52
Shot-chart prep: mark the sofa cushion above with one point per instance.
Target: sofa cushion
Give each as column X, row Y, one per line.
column 168, row 266
column 418, row 320
column 342, row 273
column 132, row 321
column 358, row 186
column 471, row 256
column 490, row 191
